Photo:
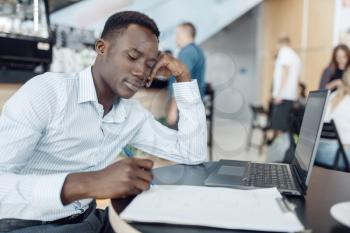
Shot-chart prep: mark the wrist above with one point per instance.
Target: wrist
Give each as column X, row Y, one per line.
column 77, row 186
column 183, row 77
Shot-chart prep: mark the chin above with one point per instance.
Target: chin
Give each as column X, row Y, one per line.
column 126, row 94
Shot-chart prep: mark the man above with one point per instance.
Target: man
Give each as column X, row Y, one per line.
column 60, row 133
column 285, row 85
column 193, row 57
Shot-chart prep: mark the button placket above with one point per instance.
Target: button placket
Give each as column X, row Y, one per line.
column 100, row 116
column 104, row 137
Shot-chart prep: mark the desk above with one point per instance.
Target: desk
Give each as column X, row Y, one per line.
column 326, row 188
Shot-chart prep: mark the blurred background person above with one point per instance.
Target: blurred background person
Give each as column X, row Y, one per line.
column 298, row 110
column 193, row 57
column 332, row 75
column 285, row 85
column 338, row 110
column 301, row 94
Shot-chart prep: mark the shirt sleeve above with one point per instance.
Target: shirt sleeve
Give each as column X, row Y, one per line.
column 186, row 145
column 23, row 122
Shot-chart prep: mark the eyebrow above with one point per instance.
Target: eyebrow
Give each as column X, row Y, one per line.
column 141, row 53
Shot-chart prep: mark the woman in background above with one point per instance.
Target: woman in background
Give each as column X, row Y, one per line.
column 331, row 77
column 338, row 110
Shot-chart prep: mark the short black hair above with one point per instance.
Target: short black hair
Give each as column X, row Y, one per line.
column 284, row 40
column 121, row 20
column 191, row 28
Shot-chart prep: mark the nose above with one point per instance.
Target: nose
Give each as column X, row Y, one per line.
column 140, row 70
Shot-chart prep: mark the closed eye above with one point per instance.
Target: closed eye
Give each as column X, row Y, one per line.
column 132, row 58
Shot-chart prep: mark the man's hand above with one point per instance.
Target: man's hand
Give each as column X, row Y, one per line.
column 123, row 178
column 168, row 65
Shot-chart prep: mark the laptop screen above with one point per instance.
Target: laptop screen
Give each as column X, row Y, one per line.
column 311, row 128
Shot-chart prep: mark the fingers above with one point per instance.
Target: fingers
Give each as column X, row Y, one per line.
column 146, row 164
column 141, row 185
column 143, row 169
column 138, row 183
column 161, row 63
column 136, row 187
column 129, row 190
column 134, row 192
column 168, row 65
column 144, row 175
column 124, row 178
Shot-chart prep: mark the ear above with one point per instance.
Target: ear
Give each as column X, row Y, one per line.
column 101, row 46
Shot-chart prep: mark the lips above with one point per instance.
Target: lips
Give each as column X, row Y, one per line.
column 132, row 86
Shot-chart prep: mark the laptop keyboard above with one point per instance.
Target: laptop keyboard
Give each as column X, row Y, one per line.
column 269, row 175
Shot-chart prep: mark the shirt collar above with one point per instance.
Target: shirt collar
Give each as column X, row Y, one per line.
column 87, row 90
column 87, row 93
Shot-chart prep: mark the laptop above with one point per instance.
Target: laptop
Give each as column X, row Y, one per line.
column 290, row 179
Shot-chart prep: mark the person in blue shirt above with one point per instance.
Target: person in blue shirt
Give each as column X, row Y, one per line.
column 193, row 57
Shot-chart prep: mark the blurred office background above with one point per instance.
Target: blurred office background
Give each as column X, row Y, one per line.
column 238, row 37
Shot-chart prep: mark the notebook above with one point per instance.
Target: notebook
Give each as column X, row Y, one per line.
column 260, row 209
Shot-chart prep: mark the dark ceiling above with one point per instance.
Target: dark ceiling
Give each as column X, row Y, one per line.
column 55, row 5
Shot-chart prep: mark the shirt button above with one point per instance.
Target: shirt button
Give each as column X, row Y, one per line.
column 77, row 205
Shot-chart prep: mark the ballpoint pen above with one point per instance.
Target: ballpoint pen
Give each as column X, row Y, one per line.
column 129, row 154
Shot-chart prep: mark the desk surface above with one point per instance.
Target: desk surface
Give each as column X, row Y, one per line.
column 326, row 188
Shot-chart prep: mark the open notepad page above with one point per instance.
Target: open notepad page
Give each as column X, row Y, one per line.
column 258, row 209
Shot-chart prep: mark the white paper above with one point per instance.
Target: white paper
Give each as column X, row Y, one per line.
column 212, row 207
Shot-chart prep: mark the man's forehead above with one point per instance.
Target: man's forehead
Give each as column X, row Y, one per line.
column 139, row 38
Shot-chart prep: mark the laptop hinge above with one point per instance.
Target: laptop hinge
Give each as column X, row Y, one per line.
column 297, row 175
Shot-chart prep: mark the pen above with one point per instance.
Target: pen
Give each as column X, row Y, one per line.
column 129, row 154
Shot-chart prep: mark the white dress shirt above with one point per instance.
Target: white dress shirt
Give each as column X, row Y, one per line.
column 53, row 125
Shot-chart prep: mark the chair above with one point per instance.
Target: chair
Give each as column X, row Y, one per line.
column 330, row 132
column 256, row 124
column 295, row 120
column 208, row 100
